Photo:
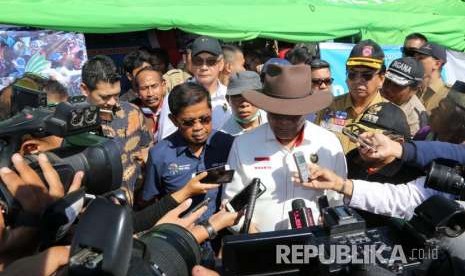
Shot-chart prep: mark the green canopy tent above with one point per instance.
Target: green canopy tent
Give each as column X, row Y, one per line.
column 386, row 21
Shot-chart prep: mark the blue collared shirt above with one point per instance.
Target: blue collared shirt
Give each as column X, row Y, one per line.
column 171, row 165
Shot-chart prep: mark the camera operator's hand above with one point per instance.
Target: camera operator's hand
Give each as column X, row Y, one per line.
column 322, row 179
column 385, row 148
column 199, row 270
column 193, row 187
column 43, row 264
column 27, row 187
column 186, row 222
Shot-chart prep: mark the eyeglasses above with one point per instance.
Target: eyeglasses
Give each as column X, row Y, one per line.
column 319, row 82
column 408, row 51
column 366, row 75
column 191, row 122
column 210, row 61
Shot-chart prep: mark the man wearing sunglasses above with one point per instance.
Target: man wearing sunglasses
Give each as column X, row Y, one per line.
column 365, row 75
column 433, row 57
column 404, row 78
column 321, row 76
column 412, row 41
column 207, row 63
column 194, row 147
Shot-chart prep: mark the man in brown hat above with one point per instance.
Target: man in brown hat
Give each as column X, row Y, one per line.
column 267, row 152
column 365, row 75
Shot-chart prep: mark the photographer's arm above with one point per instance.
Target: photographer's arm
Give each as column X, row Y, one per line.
column 379, row 198
column 416, row 153
column 148, row 216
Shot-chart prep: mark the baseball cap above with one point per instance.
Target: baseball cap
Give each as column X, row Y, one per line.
column 384, row 116
column 433, row 50
column 405, row 71
column 457, row 93
column 366, row 53
column 206, row 44
column 243, row 81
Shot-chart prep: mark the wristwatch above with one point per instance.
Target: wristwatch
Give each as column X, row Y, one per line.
column 210, row 230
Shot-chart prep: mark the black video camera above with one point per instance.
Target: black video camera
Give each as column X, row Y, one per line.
column 313, row 250
column 447, row 178
column 98, row 157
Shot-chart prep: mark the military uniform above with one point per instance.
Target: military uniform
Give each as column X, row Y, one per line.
column 174, row 77
column 416, row 114
column 434, row 94
column 341, row 113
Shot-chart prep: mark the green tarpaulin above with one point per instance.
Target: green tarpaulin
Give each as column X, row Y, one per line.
column 386, row 21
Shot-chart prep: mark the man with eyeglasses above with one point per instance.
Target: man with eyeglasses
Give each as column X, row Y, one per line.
column 321, row 76
column 412, row 41
column 433, row 57
column 365, row 75
column 194, row 147
column 268, row 151
column 404, row 78
column 207, row 63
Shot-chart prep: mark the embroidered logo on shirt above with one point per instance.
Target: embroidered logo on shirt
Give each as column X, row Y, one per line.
column 174, row 168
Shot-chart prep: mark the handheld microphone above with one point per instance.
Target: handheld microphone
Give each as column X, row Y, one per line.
column 300, row 216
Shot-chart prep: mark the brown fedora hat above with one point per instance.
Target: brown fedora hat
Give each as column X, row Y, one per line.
column 287, row 91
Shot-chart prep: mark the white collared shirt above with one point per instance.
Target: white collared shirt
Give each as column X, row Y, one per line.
column 220, row 113
column 258, row 154
column 231, row 126
column 390, row 199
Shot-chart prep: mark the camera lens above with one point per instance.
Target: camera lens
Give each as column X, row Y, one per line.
column 445, row 179
column 172, row 250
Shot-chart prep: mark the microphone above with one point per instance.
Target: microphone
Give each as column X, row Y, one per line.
column 300, row 216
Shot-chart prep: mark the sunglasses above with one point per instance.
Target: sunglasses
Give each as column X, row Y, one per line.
column 366, row 75
column 408, row 51
column 319, row 82
column 210, row 61
column 204, row 120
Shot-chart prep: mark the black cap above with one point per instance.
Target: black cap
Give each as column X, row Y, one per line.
column 206, row 44
column 433, row 50
column 405, row 71
column 366, row 53
column 386, row 116
column 457, row 93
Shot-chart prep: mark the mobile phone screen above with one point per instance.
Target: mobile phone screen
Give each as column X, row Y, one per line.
column 218, row 175
column 239, row 201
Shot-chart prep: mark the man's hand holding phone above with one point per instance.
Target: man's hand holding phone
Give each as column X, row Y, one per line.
column 194, row 187
column 354, row 137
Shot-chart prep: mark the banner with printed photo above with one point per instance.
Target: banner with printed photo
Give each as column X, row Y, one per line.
column 59, row 55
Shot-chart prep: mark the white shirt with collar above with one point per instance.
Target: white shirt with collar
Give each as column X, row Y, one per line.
column 259, row 154
column 220, row 113
column 232, row 127
column 389, row 199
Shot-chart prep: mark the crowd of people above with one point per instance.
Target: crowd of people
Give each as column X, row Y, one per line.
column 253, row 111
